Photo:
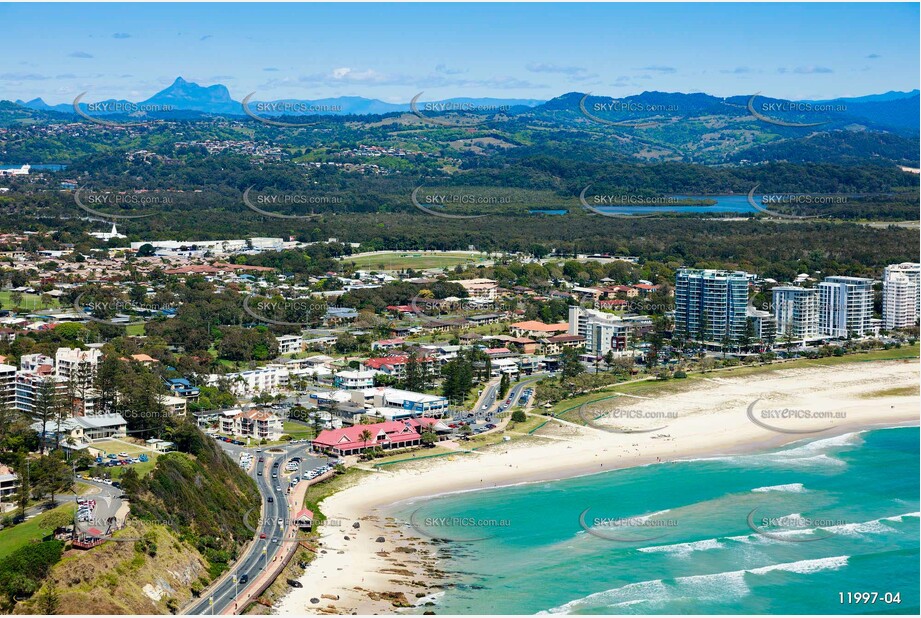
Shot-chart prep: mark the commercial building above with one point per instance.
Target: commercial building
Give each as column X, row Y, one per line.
column 796, row 311
column 358, row 438
column 79, row 431
column 845, row 306
column 711, row 305
column 397, row 403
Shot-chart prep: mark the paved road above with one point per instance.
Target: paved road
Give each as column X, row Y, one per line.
column 261, row 551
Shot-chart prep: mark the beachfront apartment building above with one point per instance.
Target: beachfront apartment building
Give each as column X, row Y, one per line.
column 711, row 305
column 912, row 270
column 79, row 366
column 603, row 332
column 901, row 295
column 29, row 387
column 796, row 311
column 7, row 386
column 845, row 306
column 763, row 325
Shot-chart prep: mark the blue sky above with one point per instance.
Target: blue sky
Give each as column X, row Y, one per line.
column 391, row 52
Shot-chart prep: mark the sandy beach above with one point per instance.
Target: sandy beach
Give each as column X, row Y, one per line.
column 384, row 564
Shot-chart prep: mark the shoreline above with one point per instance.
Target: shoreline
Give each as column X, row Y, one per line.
column 368, row 575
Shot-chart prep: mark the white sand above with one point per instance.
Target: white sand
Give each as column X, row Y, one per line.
column 711, row 419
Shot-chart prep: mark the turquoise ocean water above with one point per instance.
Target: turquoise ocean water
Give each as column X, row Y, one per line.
column 787, row 531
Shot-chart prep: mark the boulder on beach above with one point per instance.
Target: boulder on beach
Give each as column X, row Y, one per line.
column 314, row 600
column 356, row 525
column 379, row 539
column 331, row 597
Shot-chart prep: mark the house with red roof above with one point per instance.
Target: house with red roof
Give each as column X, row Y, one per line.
column 349, row 441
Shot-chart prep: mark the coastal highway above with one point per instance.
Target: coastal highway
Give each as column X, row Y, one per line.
column 261, row 551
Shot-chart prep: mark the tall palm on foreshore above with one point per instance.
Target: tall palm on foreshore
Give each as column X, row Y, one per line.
column 366, row 437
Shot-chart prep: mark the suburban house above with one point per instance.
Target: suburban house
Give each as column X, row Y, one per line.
column 349, row 441
column 181, row 387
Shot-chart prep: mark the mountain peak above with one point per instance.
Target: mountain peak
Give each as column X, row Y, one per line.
column 186, row 95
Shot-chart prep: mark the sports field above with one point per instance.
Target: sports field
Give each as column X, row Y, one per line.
column 417, row 260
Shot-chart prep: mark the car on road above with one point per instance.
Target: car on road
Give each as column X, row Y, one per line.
column 490, row 426
column 280, row 521
column 244, row 578
column 262, row 535
column 259, row 473
column 271, row 499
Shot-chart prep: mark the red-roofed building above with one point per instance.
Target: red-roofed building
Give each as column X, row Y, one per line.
column 396, row 365
column 626, row 290
column 398, row 309
column 645, row 288
column 388, row 344
column 498, row 352
column 304, row 519
column 349, row 441
column 533, row 328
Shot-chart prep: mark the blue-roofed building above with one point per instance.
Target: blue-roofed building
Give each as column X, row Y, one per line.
column 181, row 387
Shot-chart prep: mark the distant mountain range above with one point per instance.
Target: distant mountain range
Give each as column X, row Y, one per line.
column 186, row 96
column 888, row 111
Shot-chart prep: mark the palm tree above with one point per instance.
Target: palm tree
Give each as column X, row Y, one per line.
column 365, row 437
